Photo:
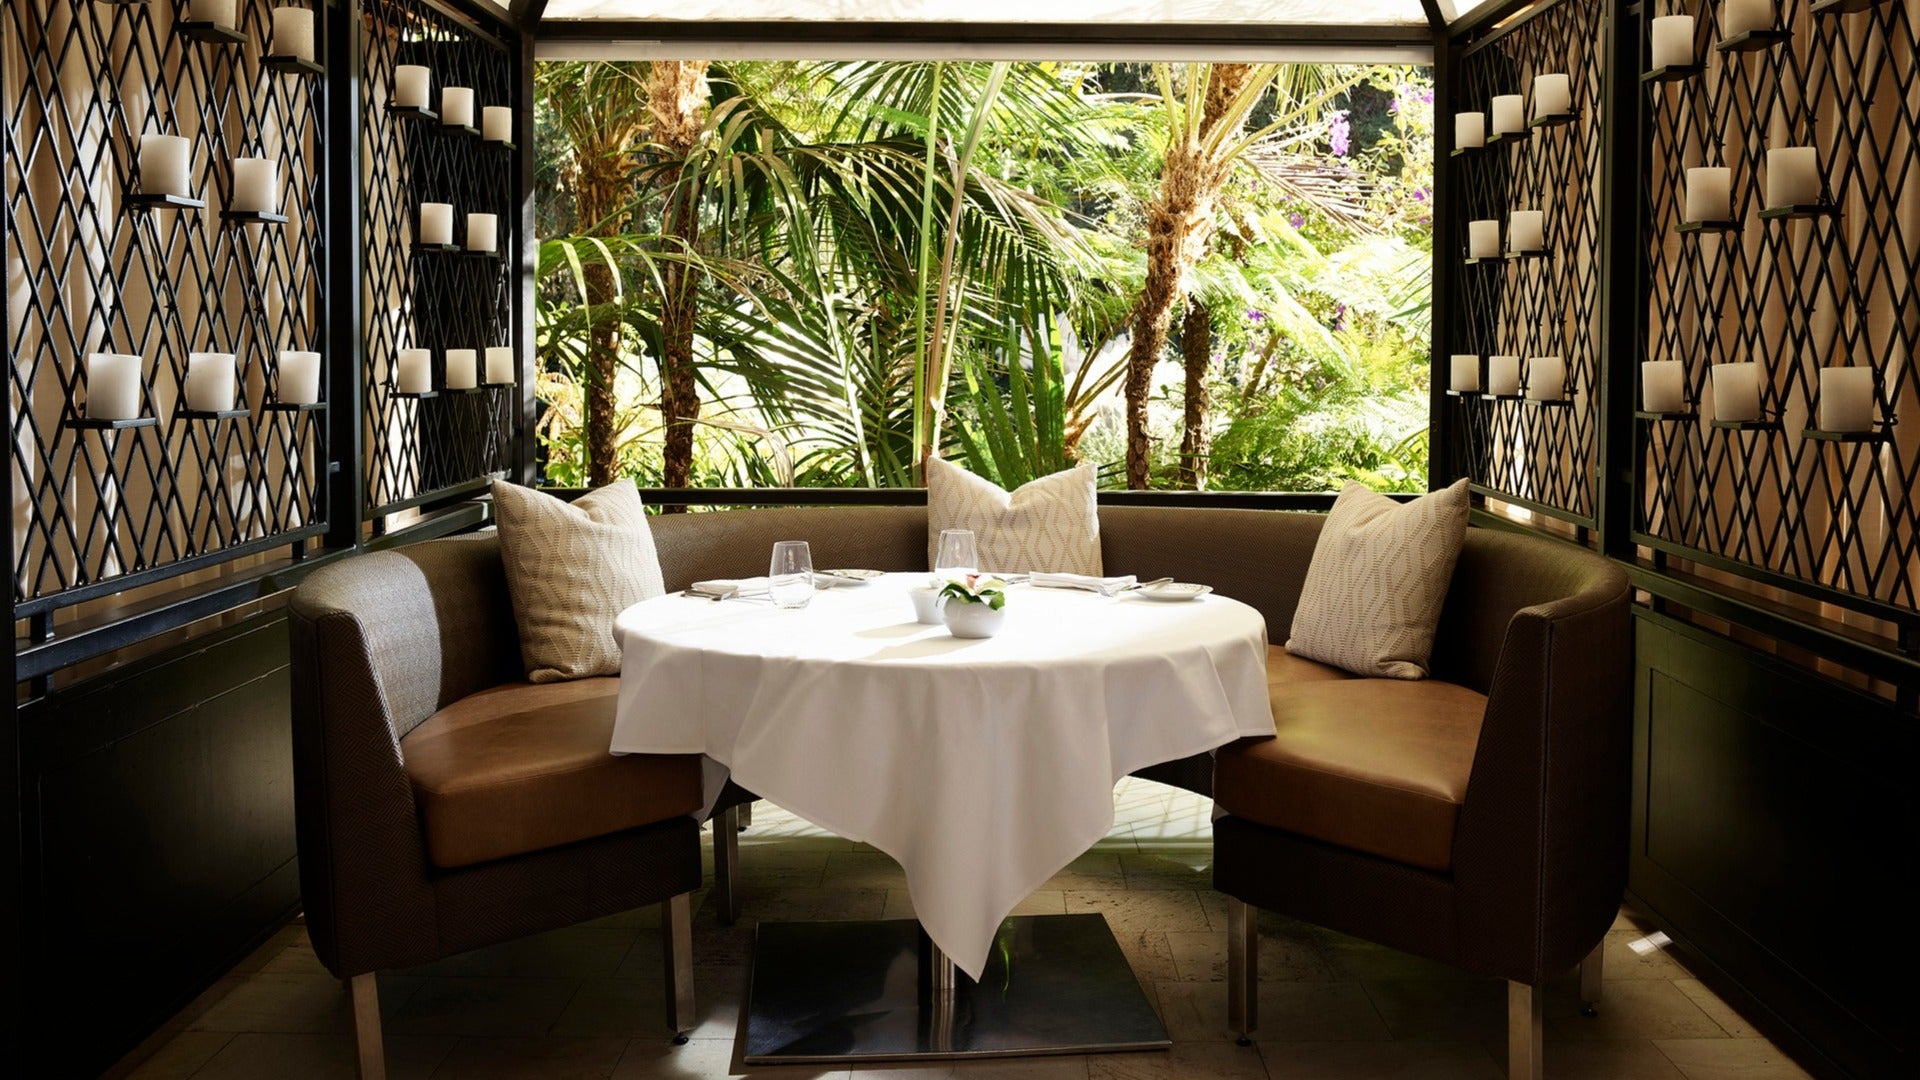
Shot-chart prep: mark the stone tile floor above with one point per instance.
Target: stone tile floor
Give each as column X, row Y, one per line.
column 586, row 1001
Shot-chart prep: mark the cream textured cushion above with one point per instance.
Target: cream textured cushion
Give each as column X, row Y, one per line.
column 571, row 568
column 1378, row 580
column 1051, row 525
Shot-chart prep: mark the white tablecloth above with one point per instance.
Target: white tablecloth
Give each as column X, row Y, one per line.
column 983, row 767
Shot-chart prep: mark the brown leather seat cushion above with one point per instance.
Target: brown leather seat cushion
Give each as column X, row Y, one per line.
column 520, row 768
column 1377, row 765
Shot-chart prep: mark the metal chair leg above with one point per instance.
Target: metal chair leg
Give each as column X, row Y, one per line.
column 726, row 859
column 366, row 1026
column 1526, row 1020
column 676, row 933
column 1243, row 969
column 1590, row 972
column 746, row 816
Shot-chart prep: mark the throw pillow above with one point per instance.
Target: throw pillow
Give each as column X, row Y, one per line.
column 1379, row 577
column 571, row 569
column 1050, row 525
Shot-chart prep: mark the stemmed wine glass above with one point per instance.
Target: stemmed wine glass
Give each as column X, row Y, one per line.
column 957, row 556
column 790, row 576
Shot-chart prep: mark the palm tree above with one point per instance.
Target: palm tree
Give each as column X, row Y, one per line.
column 1206, row 141
column 677, row 100
column 602, row 108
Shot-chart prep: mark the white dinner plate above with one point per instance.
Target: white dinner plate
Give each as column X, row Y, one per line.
column 854, row 577
column 1174, row 592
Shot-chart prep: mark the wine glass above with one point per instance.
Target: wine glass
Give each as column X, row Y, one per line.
column 957, row 556
column 790, row 576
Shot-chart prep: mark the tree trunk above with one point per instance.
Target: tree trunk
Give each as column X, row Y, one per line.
column 677, row 97
column 603, row 429
column 1179, row 224
column 1196, row 351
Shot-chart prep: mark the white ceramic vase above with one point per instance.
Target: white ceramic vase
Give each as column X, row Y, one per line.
column 965, row 620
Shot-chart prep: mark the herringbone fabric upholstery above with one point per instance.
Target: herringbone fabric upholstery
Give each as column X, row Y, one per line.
column 1379, row 578
column 571, row 568
column 1050, row 525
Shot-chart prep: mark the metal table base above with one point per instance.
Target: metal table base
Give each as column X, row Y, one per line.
column 879, row 991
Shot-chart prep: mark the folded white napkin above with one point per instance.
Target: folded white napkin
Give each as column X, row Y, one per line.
column 752, row 586
column 1084, row 581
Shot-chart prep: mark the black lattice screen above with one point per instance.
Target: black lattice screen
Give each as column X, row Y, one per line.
column 1540, row 456
column 1836, row 518
column 419, row 449
column 99, row 510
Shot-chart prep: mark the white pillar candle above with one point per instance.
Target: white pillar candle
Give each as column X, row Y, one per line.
column 1793, row 176
column 1552, row 95
column 1709, row 194
column 414, row 371
column 1745, row 16
column 482, row 232
column 456, row 106
column 1503, row 375
column 1469, row 129
column 299, row 378
column 1465, row 375
column 463, row 369
column 500, row 365
column 256, row 185
column 209, row 386
column 166, row 165
column 1527, row 230
column 1673, row 41
column 1846, row 399
column 1546, row 378
column 113, row 386
column 436, row 223
column 218, row 12
column 1483, row 239
column 410, row 85
column 1736, row 392
column 292, row 33
column 1663, row 386
column 496, row 123
column 1509, row 114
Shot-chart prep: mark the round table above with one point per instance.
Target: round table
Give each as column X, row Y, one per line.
column 982, row 766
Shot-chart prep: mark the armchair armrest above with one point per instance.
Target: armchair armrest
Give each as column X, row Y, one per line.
column 1540, row 846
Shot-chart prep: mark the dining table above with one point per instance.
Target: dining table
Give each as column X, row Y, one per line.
column 983, row 766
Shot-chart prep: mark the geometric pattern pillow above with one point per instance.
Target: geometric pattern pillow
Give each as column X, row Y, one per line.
column 572, row 568
column 1048, row 526
column 1378, row 580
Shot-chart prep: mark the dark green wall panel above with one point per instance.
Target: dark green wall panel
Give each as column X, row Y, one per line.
column 161, row 810
column 1775, row 835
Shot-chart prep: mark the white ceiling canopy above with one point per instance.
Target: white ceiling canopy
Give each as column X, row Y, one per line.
column 1078, row 12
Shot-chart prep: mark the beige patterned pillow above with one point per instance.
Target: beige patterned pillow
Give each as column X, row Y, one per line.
column 571, row 569
column 1048, row 526
column 1378, row 580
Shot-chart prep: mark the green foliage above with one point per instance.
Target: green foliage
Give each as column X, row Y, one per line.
column 859, row 218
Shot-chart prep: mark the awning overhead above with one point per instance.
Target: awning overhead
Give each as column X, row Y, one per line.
column 1102, row 12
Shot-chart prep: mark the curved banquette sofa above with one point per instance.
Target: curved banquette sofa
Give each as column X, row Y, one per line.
column 1477, row 818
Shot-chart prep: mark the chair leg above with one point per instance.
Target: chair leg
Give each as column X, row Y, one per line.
column 1526, row 1020
column 746, row 816
column 1243, row 969
column 366, row 1026
column 676, row 932
column 1590, row 970
column 726, row 859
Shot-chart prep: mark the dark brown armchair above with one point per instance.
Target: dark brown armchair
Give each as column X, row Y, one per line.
column 443, row 804
column 1478, row 818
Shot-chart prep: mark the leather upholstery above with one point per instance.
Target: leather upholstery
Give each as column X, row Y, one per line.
column 1285, row 669
column 1377, row 765
column 522, row 767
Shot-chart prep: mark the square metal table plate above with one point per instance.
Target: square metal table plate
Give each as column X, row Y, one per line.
column 860, row 991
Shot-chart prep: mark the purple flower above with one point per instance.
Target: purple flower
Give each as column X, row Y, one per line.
column 1340, row 133
column 1297, row 220
column 1420, row 194
column 1256, row 315
column 1339, row 316
column 1426, row 96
